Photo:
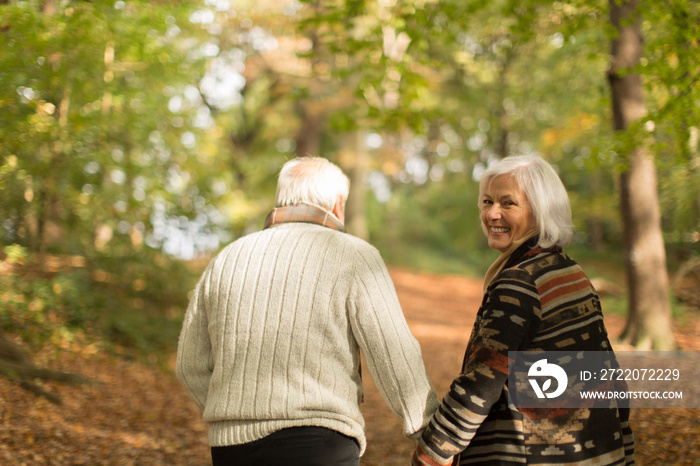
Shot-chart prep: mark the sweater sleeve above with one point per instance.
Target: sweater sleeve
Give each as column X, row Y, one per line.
column 391, row 351
column 194, row 363
column 507, row 318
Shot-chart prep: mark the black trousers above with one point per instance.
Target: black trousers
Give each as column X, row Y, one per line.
column 296, row 446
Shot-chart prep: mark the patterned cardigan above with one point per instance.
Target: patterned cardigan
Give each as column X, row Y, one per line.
column 540, row 301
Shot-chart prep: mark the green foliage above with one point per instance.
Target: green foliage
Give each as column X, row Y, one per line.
column 127, row 125
column 40, row 308
column 426, row 228
column 94, row 127
column 619, row 306
column 135, row 308
column 514, row 77
column 103, row 157
column 15, row 254
column 670, row 68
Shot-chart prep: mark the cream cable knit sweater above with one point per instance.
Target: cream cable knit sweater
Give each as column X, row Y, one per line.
column 273, row 333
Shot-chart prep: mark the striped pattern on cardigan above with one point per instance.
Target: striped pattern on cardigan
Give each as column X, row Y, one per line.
column 540, row 301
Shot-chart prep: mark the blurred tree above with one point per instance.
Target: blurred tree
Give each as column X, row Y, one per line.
column 286, row 97
column 459, row 84
column 649, row 317
column 671, row 68
column 129, row 127
column 523, row 76
column 102, row 167
column 98, row 133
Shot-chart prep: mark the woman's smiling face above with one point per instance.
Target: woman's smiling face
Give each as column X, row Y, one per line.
column 505, row 212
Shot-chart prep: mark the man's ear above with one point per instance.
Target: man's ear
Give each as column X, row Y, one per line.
column 339, row 209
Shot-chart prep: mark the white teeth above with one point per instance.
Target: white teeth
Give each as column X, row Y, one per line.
column 499, row 229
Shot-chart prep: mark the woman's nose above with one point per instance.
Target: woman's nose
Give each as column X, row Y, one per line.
column 494, row 212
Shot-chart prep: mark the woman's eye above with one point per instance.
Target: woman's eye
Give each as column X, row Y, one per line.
column 487, row 202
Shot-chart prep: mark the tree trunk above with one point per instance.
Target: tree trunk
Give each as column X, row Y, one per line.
column 501, row 114
column 352, row 158
column 308, row 139
column 595, row 226
column 311, row 109
column 649, row 318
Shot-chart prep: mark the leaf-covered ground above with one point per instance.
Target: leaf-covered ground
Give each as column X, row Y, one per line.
column 139, row 415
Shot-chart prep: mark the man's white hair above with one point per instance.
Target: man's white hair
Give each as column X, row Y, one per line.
column 311, row 180
column 544, row 191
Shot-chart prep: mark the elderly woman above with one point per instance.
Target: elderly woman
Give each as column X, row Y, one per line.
column 536, row 298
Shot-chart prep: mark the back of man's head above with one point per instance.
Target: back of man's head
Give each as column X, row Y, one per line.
column 311, row 180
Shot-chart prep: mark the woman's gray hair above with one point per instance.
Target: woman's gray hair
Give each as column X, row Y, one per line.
column 311, row 180
column 544, row 191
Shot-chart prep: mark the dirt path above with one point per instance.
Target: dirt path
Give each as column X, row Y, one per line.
column 137, row 415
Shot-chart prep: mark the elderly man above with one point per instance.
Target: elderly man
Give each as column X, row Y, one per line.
column 271, row 341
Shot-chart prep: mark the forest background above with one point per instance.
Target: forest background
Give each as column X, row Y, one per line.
column 138, row 138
